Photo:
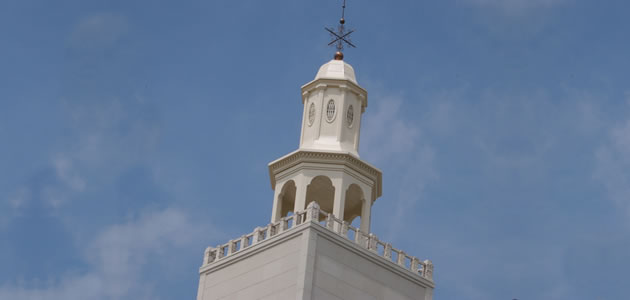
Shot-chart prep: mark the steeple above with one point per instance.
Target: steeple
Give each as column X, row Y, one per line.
column 311, row 250
column 333, row 105
column 326, row 168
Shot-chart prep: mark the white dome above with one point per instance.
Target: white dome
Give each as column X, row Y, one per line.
column 336, row 69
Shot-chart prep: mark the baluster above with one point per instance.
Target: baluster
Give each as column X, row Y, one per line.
column 257, row 236
column 428, row 270
column 244, row 242
column 270, row 231
column 372, row 240
column 358, row 237
column 213, row 255
column 220, row 252
column 344, row 229
column 206, row 256
column 401, row 258
column 414, row 264
column 231, row 247
column 282, row 225
column 296, row 219
column 312, row 212
column 330, row 222
column 387, row 253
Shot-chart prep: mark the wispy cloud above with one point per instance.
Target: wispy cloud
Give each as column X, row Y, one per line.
column 613, row 163
column 98, row 31
column 386, row 134
column 19, row 198
column 389, row 139
column 515, row 7
column 13, row 205
column 118, row 258
column 105, row 141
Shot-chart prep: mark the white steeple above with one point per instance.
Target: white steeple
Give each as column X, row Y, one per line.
column 316, row 252
column 333, row 105
column 311, row 250
column 326, row 168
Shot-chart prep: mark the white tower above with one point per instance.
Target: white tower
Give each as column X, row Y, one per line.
column 326, row 168
column 310, row 250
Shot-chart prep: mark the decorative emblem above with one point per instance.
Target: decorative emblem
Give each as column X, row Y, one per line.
column 350, row 115
column 341, row 36
column 311, row 114
column 330, row 110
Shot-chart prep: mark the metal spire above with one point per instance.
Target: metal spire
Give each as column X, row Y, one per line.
column 341, row 36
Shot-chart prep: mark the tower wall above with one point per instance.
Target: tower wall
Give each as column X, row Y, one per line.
column 268, row 275
column 312, row 260
column 310, row 250
column 341, row 274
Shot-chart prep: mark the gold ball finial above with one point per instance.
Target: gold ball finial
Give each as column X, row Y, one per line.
column 338, row 55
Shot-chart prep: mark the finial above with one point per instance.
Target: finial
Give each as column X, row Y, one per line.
column 341, row 36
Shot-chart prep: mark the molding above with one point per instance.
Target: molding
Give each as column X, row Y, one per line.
column 339, row 158
column 381, row 261
column 308, row 166
column 343, row 84
column 253, row 250
column 301, row 230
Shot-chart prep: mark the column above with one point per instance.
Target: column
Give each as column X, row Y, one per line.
column 277, row 204
column 301, row 182
column 366, row 211
column 339, row 203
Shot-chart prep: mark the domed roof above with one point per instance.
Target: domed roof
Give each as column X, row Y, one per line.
column 336, row 69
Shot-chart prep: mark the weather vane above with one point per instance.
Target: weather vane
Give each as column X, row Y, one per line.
column 341, row 36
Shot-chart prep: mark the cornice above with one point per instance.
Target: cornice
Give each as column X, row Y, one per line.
column 326, row 234
column 367, row 254
column 341, row 158
column 340, row 83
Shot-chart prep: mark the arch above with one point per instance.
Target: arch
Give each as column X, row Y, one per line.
column 322, row 191
column 354, row 203
column 286, row 198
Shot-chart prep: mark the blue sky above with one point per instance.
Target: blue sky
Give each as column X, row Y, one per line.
column 133, row 134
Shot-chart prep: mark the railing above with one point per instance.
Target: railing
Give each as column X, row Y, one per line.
column 332, row 223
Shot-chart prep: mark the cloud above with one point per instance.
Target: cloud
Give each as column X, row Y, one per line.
column 113, row 132
column 621, row 139
column 118, row 258
column 98, row 31
column 389, row 139
column 516, row 7
column 20, row 198
column 386, row 134
column 13, row 205
column 108, row 138
column 104, row 143
column 63, row 168
column 613, row 164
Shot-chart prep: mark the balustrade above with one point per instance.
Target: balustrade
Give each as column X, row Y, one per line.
column 313, row 214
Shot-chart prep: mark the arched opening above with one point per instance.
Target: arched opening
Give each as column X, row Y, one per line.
column 354, row 203
column 356, row 223
column 322, row 191
column 286, row 199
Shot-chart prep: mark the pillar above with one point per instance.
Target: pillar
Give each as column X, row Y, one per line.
column 301, row 182
column 366, row 210
column 339, row 203
column 277, row 204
